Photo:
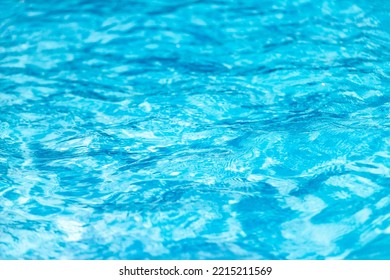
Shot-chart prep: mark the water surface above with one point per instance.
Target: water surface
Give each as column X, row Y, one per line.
column 194, row 129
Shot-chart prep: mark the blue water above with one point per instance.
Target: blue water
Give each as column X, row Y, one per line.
column 195, row 129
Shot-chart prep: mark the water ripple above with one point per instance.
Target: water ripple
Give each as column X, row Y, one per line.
column 194, row 130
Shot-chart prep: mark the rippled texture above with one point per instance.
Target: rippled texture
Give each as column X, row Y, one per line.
column 194, row 129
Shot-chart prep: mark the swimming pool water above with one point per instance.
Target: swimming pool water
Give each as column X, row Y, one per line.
column 194, row 129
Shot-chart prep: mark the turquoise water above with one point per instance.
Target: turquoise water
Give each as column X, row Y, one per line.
column 194, row 129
